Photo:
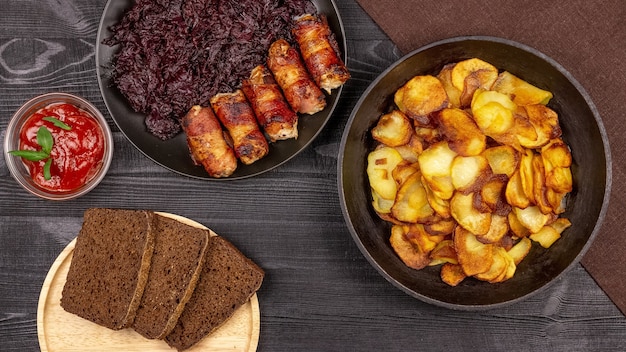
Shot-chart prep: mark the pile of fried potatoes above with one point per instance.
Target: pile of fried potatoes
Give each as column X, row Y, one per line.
column 470, row 169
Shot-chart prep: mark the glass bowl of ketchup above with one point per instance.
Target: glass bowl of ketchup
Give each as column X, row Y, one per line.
column 58, row 146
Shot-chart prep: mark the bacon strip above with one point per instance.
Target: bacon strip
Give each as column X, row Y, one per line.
column 303, row 95
column 320, row 51
column 206, row 142
column 237, row 116
column 272, row 111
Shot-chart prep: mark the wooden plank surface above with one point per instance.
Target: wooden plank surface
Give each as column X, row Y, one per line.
column 320, row 294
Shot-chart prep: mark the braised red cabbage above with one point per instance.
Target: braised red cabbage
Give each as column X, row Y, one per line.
column 174, row 54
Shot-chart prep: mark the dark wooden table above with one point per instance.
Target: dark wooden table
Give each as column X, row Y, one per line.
column 320, row 294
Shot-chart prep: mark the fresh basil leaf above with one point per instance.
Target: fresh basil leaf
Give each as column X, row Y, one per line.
column 46, row 169
column 57, row 123
column 44, row 139
column 31, row 155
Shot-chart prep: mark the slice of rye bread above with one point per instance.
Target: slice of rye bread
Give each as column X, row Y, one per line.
column 179, row 255
column 228, row 281
column 110, row 265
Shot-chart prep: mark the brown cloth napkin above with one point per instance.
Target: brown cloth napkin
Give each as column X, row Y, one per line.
column 588, row 38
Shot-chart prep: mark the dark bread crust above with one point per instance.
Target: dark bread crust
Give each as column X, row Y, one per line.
column 179, row 255
column 228, row 280
column 111, row 261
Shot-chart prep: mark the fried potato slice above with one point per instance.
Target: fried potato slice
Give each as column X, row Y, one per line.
column 531, row 218
column 411, row 204
column 483, row 97
column 420, row 96
column 516, row 226
column 393, row 129
column 454, row 94
column 470, row 75
column 498, row 228
column 493, row 113
column 494, row 121
column 492, row 195
column 452, row 274
column 520, row 250
column 403, row 171
column 511, row 265
column 435, row 164
column 411, row 150
column 380, row 165
column 410, row 254
column 561, row 224
column 439, row 205
column 380, row 204
column 498, row 269
column 557, row 160
column 429, row 135
column 539, row 185
column 520, row 91
column 419, row 236
column 527, row 174
column 556, row 154
column 546, row 236
column 443, row 252
column 551, row 232
column 560, row 180
column 556, row 200
column 474, row 256
column 478, row 204
column 514, row 192
column 469, row 173
column 441, row 186
column 463, row 211
column 461, row 132
column 536, row 125
column 441, row 227
column 436, row 160
column 503, row 159
column 546, row 123
column 523, row 132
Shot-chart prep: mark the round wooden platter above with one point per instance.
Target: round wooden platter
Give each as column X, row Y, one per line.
column 59, row 330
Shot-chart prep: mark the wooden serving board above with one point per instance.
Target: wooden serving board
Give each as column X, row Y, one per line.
column 59, row 330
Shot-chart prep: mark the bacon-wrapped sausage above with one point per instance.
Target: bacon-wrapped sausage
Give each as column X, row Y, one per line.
column 320, row 51
column 207, row 145
column 236, row 114
column 303, row 95
column 272, row 111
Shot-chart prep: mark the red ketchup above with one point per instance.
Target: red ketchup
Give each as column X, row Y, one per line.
column 76, row 154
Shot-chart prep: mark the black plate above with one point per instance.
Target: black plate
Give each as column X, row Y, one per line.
column 582, row 131
column 173, row 154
